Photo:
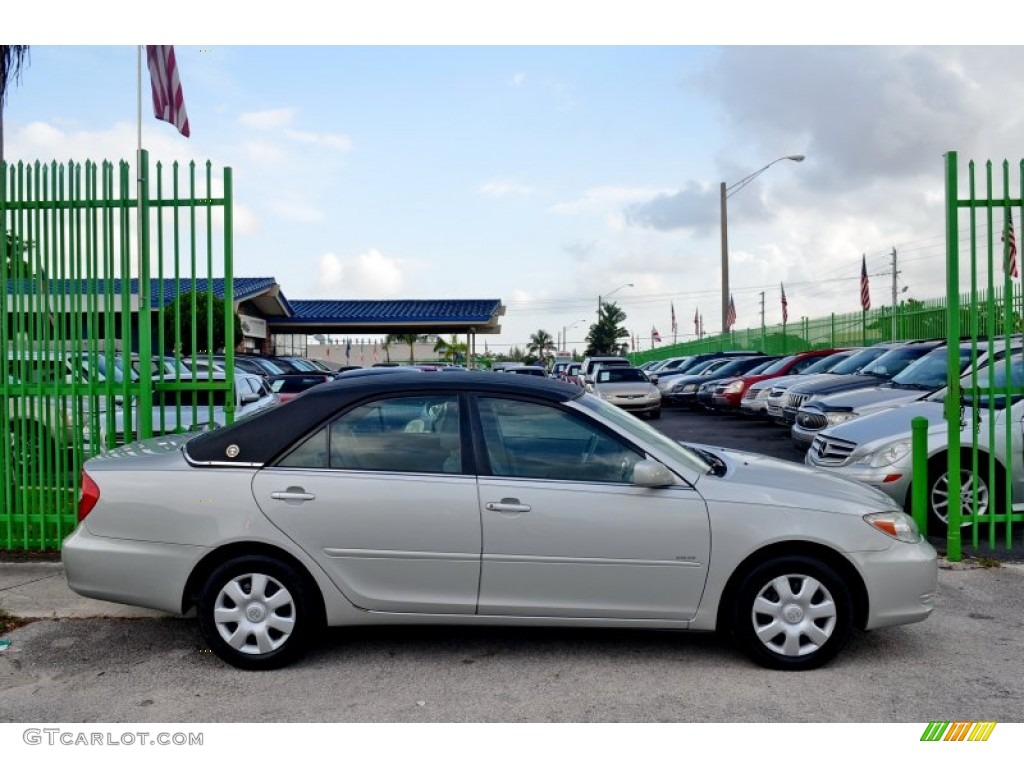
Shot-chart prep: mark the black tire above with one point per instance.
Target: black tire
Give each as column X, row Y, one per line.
column 938, row 492
column 656, row 413
column 801, row 632
column 274, row 607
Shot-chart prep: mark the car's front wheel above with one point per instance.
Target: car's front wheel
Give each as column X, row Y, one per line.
column 971, row 487
column 792, row 613
column 256, row 612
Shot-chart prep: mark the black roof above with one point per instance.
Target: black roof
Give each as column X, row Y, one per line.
column 257, row 439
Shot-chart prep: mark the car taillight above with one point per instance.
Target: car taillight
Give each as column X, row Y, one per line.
column 87, row 496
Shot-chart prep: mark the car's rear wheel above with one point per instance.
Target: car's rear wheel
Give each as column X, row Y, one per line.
column 792, row 613
column 256, row 612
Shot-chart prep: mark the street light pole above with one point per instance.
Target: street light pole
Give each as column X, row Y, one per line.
column 608, row 295
column 725, row 193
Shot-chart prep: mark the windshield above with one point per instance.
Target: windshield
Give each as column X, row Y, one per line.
column 643, row 433
column 777, row 366
column 619, row 375
column 895, row 360
column 929, row 372
column 826, row 364
column 742, row 365
column 764, row 367
column 856, row 362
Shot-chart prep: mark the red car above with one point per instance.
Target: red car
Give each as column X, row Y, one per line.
column 729, row 392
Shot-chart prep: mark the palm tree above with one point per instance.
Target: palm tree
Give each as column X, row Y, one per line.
column 13, row 59
column 411, row 339
column 604, row 335
column 540, row 344
column 451, row 349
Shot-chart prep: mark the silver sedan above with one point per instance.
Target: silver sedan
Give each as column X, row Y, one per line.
column 487, row 500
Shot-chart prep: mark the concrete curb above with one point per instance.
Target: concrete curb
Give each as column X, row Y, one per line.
column 41, row 591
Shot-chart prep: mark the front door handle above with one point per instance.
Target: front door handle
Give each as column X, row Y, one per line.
column 507, row 505
column 293, row 494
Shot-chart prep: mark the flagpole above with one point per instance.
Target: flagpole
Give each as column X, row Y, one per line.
column 138, row 168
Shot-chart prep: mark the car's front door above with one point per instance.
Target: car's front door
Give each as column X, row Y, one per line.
column 379, row 498
column 567, row 534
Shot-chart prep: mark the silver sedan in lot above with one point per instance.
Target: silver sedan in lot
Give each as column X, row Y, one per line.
column 487, row 500
column 629, row 388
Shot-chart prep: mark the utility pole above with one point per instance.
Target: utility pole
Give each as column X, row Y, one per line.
column 762, row 319
column 894, row 292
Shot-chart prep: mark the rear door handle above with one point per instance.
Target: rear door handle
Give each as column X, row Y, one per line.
column 293, row 494
column 507, row 505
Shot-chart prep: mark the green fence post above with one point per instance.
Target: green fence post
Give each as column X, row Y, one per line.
column 952, row 402
column 919, row 478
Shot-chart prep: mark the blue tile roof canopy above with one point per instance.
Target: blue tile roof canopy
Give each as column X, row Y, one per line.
column 245, row 288
column 400, row 311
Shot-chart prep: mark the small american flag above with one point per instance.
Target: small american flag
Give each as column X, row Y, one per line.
column 785, row 304
column 655, row 336
column 730, row 315
column 1010, row 253
column 168, row 100
column 675, row 328
column 865, row 293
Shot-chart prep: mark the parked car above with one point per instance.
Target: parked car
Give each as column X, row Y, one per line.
column 782, row 411
column 705, row 398
column 875, row 449
column 527, row 370
column 592, row 361
column 176, row 411
column 287, row 386
column 684, row 389
column 921, row 377
column 487, row 500
column 880, row 371
column 729, row 393
column 669, row 383
column 573, row 374
column 755, row 399
column 629, row 388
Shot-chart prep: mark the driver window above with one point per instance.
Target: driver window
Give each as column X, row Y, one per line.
column 533, row 440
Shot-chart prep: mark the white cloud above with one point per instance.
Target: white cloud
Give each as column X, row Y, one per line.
column 338, row 141
column 517, row 79
column 605, row 200
column 270, row 118
column 370, row 275
column 503, row 188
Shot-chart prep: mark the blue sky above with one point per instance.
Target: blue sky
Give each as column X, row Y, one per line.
column 548, row 175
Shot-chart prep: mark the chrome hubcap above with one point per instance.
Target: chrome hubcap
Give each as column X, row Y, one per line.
column 968, row 482
column 794, row 615
column 254, row 613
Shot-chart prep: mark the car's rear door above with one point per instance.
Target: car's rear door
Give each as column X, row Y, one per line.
column 380, row 499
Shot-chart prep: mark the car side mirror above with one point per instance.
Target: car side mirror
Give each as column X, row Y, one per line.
column 648, row 473
column 250, row 397
column 654, row 378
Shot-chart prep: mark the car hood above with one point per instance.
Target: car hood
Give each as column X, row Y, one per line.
column 626, row 388
column 890, row 424
column 872, row 399
column 779, row 483
column 792, row 379
column 831, row 382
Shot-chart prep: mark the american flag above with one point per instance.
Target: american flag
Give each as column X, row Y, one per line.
column 865, row 293
column 730, row 316
column 1010, row 252
column 655, row 336
column 700, row 328
column 785, row 304
column 675, row 328
column 696, row 321
column 168, row 100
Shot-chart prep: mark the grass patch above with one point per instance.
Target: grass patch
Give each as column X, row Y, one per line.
column 9, row 622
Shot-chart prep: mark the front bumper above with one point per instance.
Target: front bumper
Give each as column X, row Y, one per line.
column 893, row 480
column 901, row 583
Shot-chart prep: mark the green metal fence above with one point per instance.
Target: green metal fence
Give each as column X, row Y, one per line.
column 100, row 269
column 978, row 464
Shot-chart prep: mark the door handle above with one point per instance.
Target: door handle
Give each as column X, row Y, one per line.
column 506, row 505
column 293, row 494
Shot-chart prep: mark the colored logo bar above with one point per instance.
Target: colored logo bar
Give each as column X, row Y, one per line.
column 958, row 731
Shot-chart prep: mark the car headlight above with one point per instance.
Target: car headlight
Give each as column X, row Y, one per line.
column 838, row 417
column 689, row 388
column 732, row 389
column 887, row 455
column 898, row 525
column 764, row 394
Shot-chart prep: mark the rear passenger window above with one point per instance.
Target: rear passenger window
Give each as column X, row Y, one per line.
column 402, row 434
